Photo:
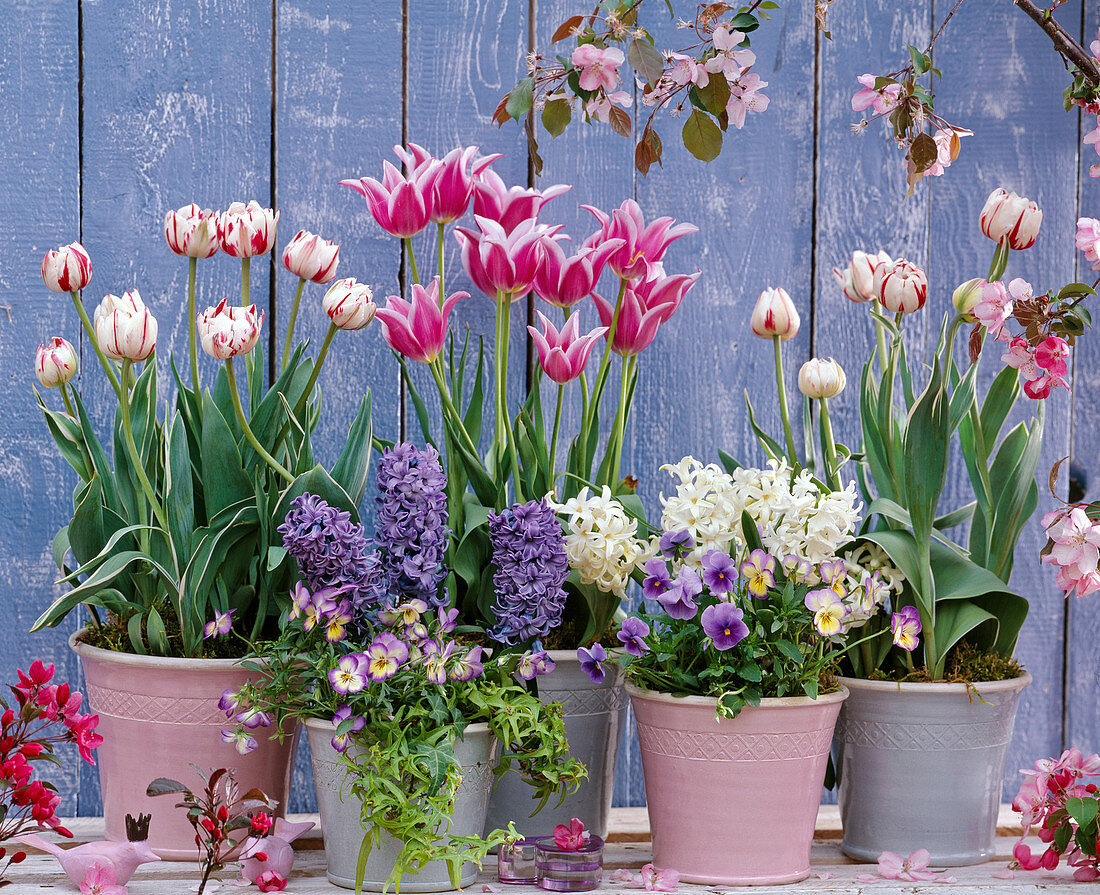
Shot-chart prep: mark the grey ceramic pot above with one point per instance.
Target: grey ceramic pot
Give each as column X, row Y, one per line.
column 921, row 766
column 594, row 715
column 477, row 752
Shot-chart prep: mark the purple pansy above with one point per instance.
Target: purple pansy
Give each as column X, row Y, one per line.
column 657, row 580
column 341, row 741
column 725, row 625
column 679, row 600
column 676, row 544
column 349, row 675
column 591, row 660
column 632, row 635
column 905, row 626
column 384, row 656
column 535, row 664
column 469, row 666
column 719, row 571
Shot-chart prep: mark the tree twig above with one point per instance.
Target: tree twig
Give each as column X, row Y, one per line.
column 1063, row 41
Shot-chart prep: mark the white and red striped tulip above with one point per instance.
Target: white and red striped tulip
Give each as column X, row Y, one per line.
column 192, row 231
column 857, row 280
column 1007, row 217
column 247, row 230
column 229, row 330
column 821, row 377
column 349, row 305
column 55, row 362
column 67, row 269
column 775, row 315
column 312, row 258
column 901, row 286
column 124, row 328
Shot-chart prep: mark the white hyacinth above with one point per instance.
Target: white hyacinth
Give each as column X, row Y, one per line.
column 601, row 541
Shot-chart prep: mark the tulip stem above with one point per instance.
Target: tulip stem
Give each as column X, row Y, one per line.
column 619, row 433
column 605, row 361
column 90, row 330
column 192, row 263
column 321, row 355
column 502, row 390
column 290, row 323
column 832, row 472
column 135, row 458
column 68, row 403
column 246, row 264
column 880, row 335
column 412, row 259
column 448, row 405
column 248, row 433
column 784, row 412
column 441, row 264
column 554, row 437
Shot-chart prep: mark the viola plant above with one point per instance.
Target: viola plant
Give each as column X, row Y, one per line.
column 173, row 541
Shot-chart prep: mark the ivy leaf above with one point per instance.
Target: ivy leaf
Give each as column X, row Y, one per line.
column 645, row 60
column 702, row 138
column 556, row 116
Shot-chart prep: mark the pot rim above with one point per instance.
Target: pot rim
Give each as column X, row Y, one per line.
column 769, row 702
column 326, row 725
column 86, row 650
column 1014, row 683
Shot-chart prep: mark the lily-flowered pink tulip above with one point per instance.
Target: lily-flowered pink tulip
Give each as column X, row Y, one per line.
column 637, row 324
column 418, row 328
column 564, row 280
column 247, row 230
column 821, row 377
column 509, row 207
column 67, row 269
column 642, row 244
column 857, row 280
column 664, row 292
column 124, row 328
column 349, row 304
column 775, row 315
column 400, row 203
column 901, row 286
column 563, row 355
column 498, row 261
column 55, row 363
column 311, row 258
column 229, row 330
column 451, row 185
column 1007, row 217
column 192, row 231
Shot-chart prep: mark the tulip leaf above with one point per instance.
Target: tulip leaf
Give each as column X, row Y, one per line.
column 179, row 500
column 154, row 630
column 998, row 403
column 353, row 465
column 68, row 438
column 224, row 479
column 702, row 137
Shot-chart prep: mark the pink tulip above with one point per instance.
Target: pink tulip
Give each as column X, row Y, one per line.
column 637, row 324
column 124, row 327
column 563, row 281
column 418, row 328
column 1007, row 217
column 901, row 286
column 400, row 203
column 642, row 244
column 664, row 292
column 451, row 185
column 564, row 355
column 510, row 207
column 67, row 269
column 311, row 258
column 229, row 330
column 498, row 261
column 247, row 230
column 192, row 231
column 55, row 363
column 348, row 304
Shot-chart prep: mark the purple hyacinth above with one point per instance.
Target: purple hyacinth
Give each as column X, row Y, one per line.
column 332, row 551
column 411, row 531
column 531, row 567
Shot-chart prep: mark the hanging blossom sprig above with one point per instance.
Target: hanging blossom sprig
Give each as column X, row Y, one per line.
column 710, row 79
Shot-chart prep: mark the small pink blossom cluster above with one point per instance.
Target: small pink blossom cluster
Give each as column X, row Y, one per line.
column 1062, row 809
column 649, row 878
column 599, row 73
column 1088, row 240
column 1092, row 138
column 1073, row 549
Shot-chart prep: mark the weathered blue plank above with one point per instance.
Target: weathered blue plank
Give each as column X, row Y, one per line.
column 339, row 114
column 39, row 210
column 177, row 108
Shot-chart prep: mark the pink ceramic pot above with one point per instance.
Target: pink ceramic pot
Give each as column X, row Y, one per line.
column 733, row 802
column 158, row 717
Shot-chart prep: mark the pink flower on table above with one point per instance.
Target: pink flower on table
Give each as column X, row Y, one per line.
column 229, row 330
column 659, row 880
column 55, row 363
column 745, row 97
column 857, row 280
column 911, row 869
column 247, row 230
column 572, row 837
column 882, row 100
column 124, row 328
column 502, row 262
column 102, row 879
column 400, row 203
column 418, row 328
column 1088, row 240
column 67, row 269
column 270, row 881
column 509, row 207
column 642, row 244
column 599, row 67
column 312, row 258
column 729, row 59
column 563, row 355
column 901, row 286
column 450, row 182
column 599, row 106
column 687, row 70
column 564, row 280
column 192, row 231
column 993, row 310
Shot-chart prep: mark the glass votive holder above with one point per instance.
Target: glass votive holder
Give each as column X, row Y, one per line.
column 516, row 862
column 569, row 871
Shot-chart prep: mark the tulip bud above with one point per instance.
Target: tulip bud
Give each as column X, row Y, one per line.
column 229, row 330
column 246, row 230
column 55, row 363
column 192, row 231
column 124, row 328
column 857, row 280
column 821, row 378
column 966, row 296
column 67, row 269
column 901, row 286
column 311, row 258
column 1007, row 217
column 349, row 304
column 774, row 315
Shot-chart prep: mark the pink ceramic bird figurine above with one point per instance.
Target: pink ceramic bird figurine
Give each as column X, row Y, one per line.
column 124, row 857
column 278, row 853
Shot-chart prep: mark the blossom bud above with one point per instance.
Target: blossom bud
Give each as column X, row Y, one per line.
column 228, row 330
column 66, row 269
column 55, row 363
column 774, row 315
column 901, row 286
column 857, row 280
column 192, row 231
column 966, row 296
column 349, row 304
column 821, row 378
column 1009, row 218
column 311, row 258
column 124, row 328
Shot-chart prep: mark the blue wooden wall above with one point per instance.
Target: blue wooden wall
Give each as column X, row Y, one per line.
column 117, row 112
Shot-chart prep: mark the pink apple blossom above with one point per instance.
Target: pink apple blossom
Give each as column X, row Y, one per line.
column 994, row 309
column 510, row 206
column 655, row 880
column 643, row 244
column 599, row 107
column 417, row 329
column 882, row 100
column 102, row 879
column 599, row 66
column 745, row 97
column 729, row 58
column 1088, row 240
column 1051, row 354
column 942, row 139
column 400, row 203
column 500, row 262
column 247, row 230
column 67, row 269
column 687, row 70
column 911, row 869
column 1020, row 357
column 563, row 355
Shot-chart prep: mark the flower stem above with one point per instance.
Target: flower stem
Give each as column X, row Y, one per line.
column 880, row 336
column 506, row 328
column 619, row 432
column 436, row 366
column 135, row 458
column 246, row 264
column 412, row 259
column 192, row 263
column 554, row 437
column 90, row 330
column 605, row 361
column 441, row 227
column 332, row 329
column 829, row 446
column 290, row 324
column 784, row 412
column 248, row 434
column 68, row 403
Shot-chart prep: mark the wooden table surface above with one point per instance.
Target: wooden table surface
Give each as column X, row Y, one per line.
column 628, row 847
